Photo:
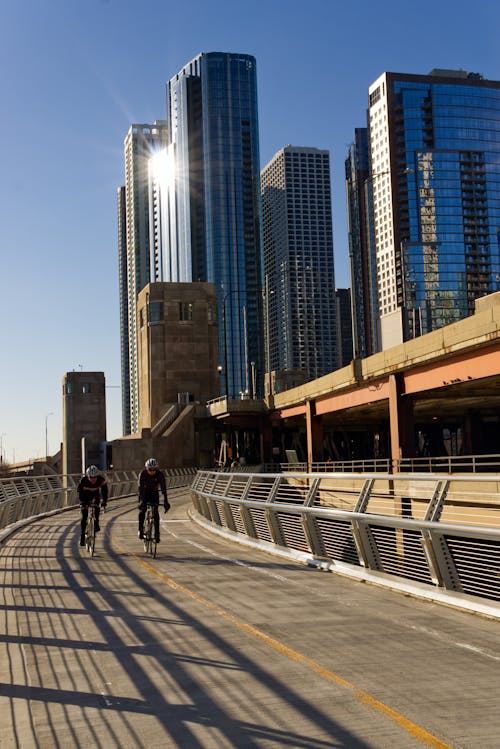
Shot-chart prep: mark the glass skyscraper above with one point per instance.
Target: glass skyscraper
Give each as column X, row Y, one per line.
column 298, row 261
column 435, row 181
column 213, row 201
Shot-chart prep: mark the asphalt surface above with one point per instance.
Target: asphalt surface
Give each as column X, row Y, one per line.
column 213, row 645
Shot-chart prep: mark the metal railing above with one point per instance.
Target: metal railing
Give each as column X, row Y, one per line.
column 436, row 464
column 428, row 529
column 28, row 496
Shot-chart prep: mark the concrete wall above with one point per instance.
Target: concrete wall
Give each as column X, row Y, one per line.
column 84, row 415
column 176, row 355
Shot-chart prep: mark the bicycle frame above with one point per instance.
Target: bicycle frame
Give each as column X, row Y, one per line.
column 149, row 532
column 90, row 529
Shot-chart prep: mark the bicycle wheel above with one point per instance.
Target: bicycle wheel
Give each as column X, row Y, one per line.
column 90, row 533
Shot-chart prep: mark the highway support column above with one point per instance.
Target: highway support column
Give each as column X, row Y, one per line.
column 402, row 423
column 314, row 431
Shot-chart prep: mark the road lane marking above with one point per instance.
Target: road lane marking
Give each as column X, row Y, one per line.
column 360, row 695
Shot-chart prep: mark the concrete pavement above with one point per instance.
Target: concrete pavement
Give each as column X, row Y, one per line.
column 213, row 645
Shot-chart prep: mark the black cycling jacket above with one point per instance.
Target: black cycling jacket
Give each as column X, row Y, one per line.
column 151, row 484
column 87, row 492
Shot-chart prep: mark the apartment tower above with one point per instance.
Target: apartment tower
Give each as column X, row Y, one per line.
column 434, row 154
column 299, row 282
column 134, row 239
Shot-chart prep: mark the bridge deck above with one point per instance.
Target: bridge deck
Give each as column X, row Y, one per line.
column 216, row 645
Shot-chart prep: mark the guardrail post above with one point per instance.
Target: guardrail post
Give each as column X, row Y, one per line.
column 309, row 524
column 365, row 546
column 441, row 565
column 272, row 520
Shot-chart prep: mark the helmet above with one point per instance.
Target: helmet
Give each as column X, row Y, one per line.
column 151, row 463
column 92, row 472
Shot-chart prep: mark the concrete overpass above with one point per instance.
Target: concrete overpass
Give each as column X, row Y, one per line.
column 398, row 400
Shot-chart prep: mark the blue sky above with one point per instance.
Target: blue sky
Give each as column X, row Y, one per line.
column 77, row 73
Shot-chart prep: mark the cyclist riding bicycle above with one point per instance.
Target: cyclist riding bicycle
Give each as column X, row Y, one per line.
column 91, row 490
column 151, row 482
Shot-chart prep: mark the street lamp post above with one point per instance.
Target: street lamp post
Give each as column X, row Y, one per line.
column 4, row 434
column 46, row 435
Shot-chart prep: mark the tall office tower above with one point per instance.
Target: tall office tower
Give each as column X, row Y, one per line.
column 434, row 152
column 361, row 247
column 141, row 144
column 299, row 289
column 214, row 145
column 343, row 317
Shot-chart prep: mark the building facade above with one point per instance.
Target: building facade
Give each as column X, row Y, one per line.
column 84, row 421
column 343, row 319
column 364, row 298
column 177, row 347
column 134, row 245
column 434, row 153
column 299, row 287
column 212, row 202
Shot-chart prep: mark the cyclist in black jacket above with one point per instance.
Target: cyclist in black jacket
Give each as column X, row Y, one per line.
column 91, row 489
column 151, row 482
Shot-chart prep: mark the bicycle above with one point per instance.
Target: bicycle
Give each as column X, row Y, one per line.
column 90, row 529
column 149, row 535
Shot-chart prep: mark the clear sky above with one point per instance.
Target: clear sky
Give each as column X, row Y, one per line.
column 77, row 73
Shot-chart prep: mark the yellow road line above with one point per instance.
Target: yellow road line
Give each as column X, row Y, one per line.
column 366, row 698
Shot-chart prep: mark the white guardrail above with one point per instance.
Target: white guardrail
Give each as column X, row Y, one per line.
column 434, row 535
column 24, row 497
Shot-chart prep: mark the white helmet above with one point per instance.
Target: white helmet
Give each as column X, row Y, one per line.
column 151, row 463
column 92, row 472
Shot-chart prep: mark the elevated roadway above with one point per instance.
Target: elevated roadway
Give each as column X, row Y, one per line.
column 213, row 645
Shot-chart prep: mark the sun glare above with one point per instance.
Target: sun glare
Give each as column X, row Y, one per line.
column 162, row 166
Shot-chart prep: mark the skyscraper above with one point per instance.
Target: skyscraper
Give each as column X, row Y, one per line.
column 299, row 289
column 435, row 178
column 343, row 319
column 141, row 143
column 361, row 247
column 212, row 201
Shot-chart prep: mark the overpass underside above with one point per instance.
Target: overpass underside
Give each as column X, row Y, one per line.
column 434, row 395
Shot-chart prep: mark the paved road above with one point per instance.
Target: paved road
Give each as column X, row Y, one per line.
column 212, row 645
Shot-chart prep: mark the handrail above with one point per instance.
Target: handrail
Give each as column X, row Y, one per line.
column 430, row 530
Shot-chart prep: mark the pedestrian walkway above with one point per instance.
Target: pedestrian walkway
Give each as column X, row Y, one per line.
column 213, row 645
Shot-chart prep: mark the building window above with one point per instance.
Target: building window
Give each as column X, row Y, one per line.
column 155, row 313
column 69, row 388
column 212, row 312
column 86, row 388
column 185, row 311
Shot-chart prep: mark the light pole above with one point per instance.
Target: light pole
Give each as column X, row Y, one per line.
column 4, row 434
column 46, row 435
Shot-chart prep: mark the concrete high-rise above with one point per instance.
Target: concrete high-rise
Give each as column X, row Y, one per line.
column 299, row 288
column 434, row 154
column 210, row 204
column 134, row 238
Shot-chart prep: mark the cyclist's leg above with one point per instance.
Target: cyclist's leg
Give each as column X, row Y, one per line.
column 84, row 510
column 156, row 517
column 142, row 513
column 97, row 512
